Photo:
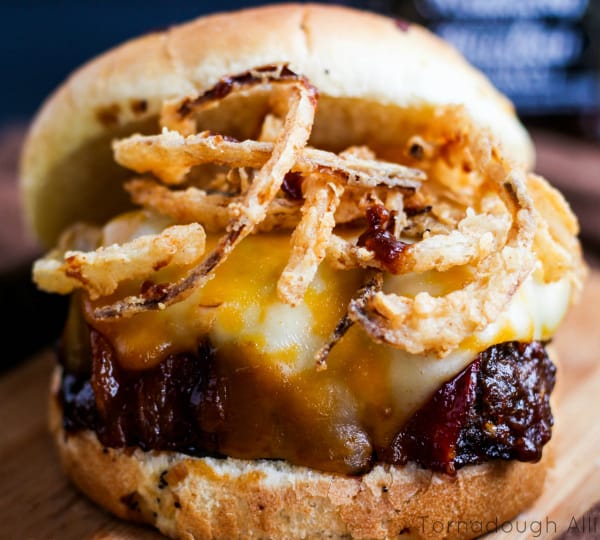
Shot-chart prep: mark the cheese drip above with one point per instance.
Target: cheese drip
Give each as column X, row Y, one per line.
column 239, row 312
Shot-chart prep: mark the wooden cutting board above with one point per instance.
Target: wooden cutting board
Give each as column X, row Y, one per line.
column 37, row 502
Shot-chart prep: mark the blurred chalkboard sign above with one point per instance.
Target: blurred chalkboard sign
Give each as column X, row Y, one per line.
column 501, row 9
column 542, row 53
column 538, row 52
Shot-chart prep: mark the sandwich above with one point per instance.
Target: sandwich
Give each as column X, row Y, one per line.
column 313, row 281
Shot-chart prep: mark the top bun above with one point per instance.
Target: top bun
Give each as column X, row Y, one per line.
column 372, row 73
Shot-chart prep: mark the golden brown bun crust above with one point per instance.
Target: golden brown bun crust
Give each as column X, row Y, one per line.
column 205, row 498
column 67, row 170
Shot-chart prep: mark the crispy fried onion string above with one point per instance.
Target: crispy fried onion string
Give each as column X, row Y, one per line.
column 210, row 209
column 178, row 114
column 310, row 238
column 477, row 235
column 475, row 211
column 247, row 214
column 372, row 283
column 170, row 156
column 555, row 241
column 427, row 324
column 343, row 254
column 101, row 271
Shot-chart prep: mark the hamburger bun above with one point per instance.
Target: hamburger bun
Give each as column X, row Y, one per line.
column 378, row 81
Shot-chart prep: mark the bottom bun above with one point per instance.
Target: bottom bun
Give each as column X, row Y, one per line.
column 208, row 498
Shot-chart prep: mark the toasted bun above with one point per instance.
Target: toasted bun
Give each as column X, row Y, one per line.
column 372, row 74
column 207, row 498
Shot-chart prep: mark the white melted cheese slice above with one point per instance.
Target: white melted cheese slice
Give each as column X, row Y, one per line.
column 239, row 310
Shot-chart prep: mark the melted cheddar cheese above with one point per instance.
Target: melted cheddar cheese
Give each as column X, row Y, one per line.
column 238, row 310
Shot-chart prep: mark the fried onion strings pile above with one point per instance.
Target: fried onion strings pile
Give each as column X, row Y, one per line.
column 462, row 205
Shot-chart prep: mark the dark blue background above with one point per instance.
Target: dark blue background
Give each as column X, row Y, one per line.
column 41, row 42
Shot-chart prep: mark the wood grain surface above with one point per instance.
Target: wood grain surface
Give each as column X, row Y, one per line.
column 38, row 503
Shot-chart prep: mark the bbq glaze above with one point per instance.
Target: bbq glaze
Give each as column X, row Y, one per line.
column 201, row 404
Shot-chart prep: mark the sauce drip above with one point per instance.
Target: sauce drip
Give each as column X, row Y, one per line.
column 431, row 435
column 379, row 237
